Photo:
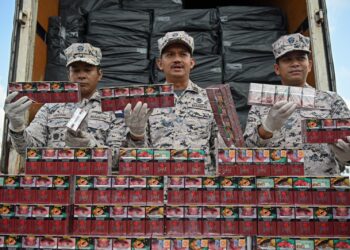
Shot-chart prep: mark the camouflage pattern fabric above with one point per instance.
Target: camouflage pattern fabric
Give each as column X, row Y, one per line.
column 190, row 124
column 288, row 43
column 319, row 159
column 48, row 128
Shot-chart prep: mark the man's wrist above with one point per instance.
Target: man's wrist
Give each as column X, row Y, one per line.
column 263, row 133
column 136, row 137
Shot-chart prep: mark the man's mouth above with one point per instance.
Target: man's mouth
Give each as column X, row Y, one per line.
column 177, row 67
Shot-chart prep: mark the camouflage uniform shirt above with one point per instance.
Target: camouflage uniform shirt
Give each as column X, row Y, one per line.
column 319, row 159
column 48, row 128
column 190, row 124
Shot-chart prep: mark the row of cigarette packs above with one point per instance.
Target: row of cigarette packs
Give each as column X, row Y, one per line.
column 260, row 162
column 109, row 243
column 68, row 161
column 34, row 219
column 156, row 96
column 145, row 161
column 268, row 243
column 211, row 220
column 27, row 189
column 225, row 114
column 325, row 130
column 47, row 92
column 267, row 94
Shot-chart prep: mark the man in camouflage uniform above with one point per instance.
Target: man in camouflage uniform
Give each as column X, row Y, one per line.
column 48, row 129
column 280, row 125
column 190, row 124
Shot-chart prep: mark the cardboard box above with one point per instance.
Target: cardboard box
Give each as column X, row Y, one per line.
column 340, row 191
column 285, row 244
column 33, row 161
column 228, row 192
column 82, row 220
column 246, row 191
column 101, row 161
column 261, row 160
column 178, row 243
column 99, row 220
column 304, row 224
column 193, row 190
column 211, row 220
column 118, row 220
column 284, row 191
column 295, row 95
column 121, row 97
column 285, row 221
column 193, row 221
column 196, row 162
column 295, row 162
column 155, row 221
column 61, row 190
column 49, row 164
column 211, row 190
column 265, row 191
column 244, row 160
column 120, row 192
column 44, row 185
column 264, row 243
column 161, row 244
column 49, row 242
column 341, row 221
column 174, row 221
column 27, row 192
column 83, row 190
column 267, row 221
column 268, row 94
column 102, row 190
column 82, row 158
column 227, row 162
column 152, row 95
column 321, row 192
column 179, row 161
column 166, row 98
column 278, row 159
column 176, row 190
column 304, row 244
column 144, row 165
column 323, row 221
column 138, row 190
column 302, row 191
column 229, row 220
column 255, row 93
column 103, row 243
column 161, row 165
column 127, row 161
column 155, row 190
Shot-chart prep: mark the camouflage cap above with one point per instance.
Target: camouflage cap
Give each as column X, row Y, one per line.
column 83, row 52
column 292, row 42
column 176, row 37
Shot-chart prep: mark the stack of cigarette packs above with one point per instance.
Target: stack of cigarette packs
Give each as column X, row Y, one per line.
column 47, row 92
column 260, row 162
column 35, row 204
column 286, row 243
column 68, row 161
column 161, row 162
column 267, row 94
column 117, row 243
column 156, row 96
column 225, row 114
column 325, row 130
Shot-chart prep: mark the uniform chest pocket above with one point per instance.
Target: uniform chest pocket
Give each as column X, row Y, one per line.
column 58, row 121
column 315, row 113
column 99, row 121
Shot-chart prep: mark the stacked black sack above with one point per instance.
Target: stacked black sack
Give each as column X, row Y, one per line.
column 202, row 25
column 247, row 34
column 123, row 37
column 62, row 32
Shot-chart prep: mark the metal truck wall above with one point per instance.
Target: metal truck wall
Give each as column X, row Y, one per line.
column 232, row 43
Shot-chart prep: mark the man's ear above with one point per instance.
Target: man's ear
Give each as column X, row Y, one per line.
column 193, row 62
column 100, row 73
column 276, row 67
column 159, row 64
column 310, row 66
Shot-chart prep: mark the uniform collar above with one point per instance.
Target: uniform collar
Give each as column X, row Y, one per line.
column 95, row 97
column 191, row 87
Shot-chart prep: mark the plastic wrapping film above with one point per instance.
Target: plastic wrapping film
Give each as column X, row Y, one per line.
column 206, row 42
column 68, row 7
column 189, row 20
column 251, row 17
column 207, row 71
column 62, row 32
column 118, row 21
column 152, row 4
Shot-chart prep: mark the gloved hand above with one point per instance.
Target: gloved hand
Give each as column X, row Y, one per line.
column 341, row 149
column 137, row 119
column 15, row 111
column 80, row 139
column 277, row 116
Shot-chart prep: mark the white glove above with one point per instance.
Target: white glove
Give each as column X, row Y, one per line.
column 80, row 139
column 341, row 149
column 15, row 111
column 277, row 116
column 137, row 119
